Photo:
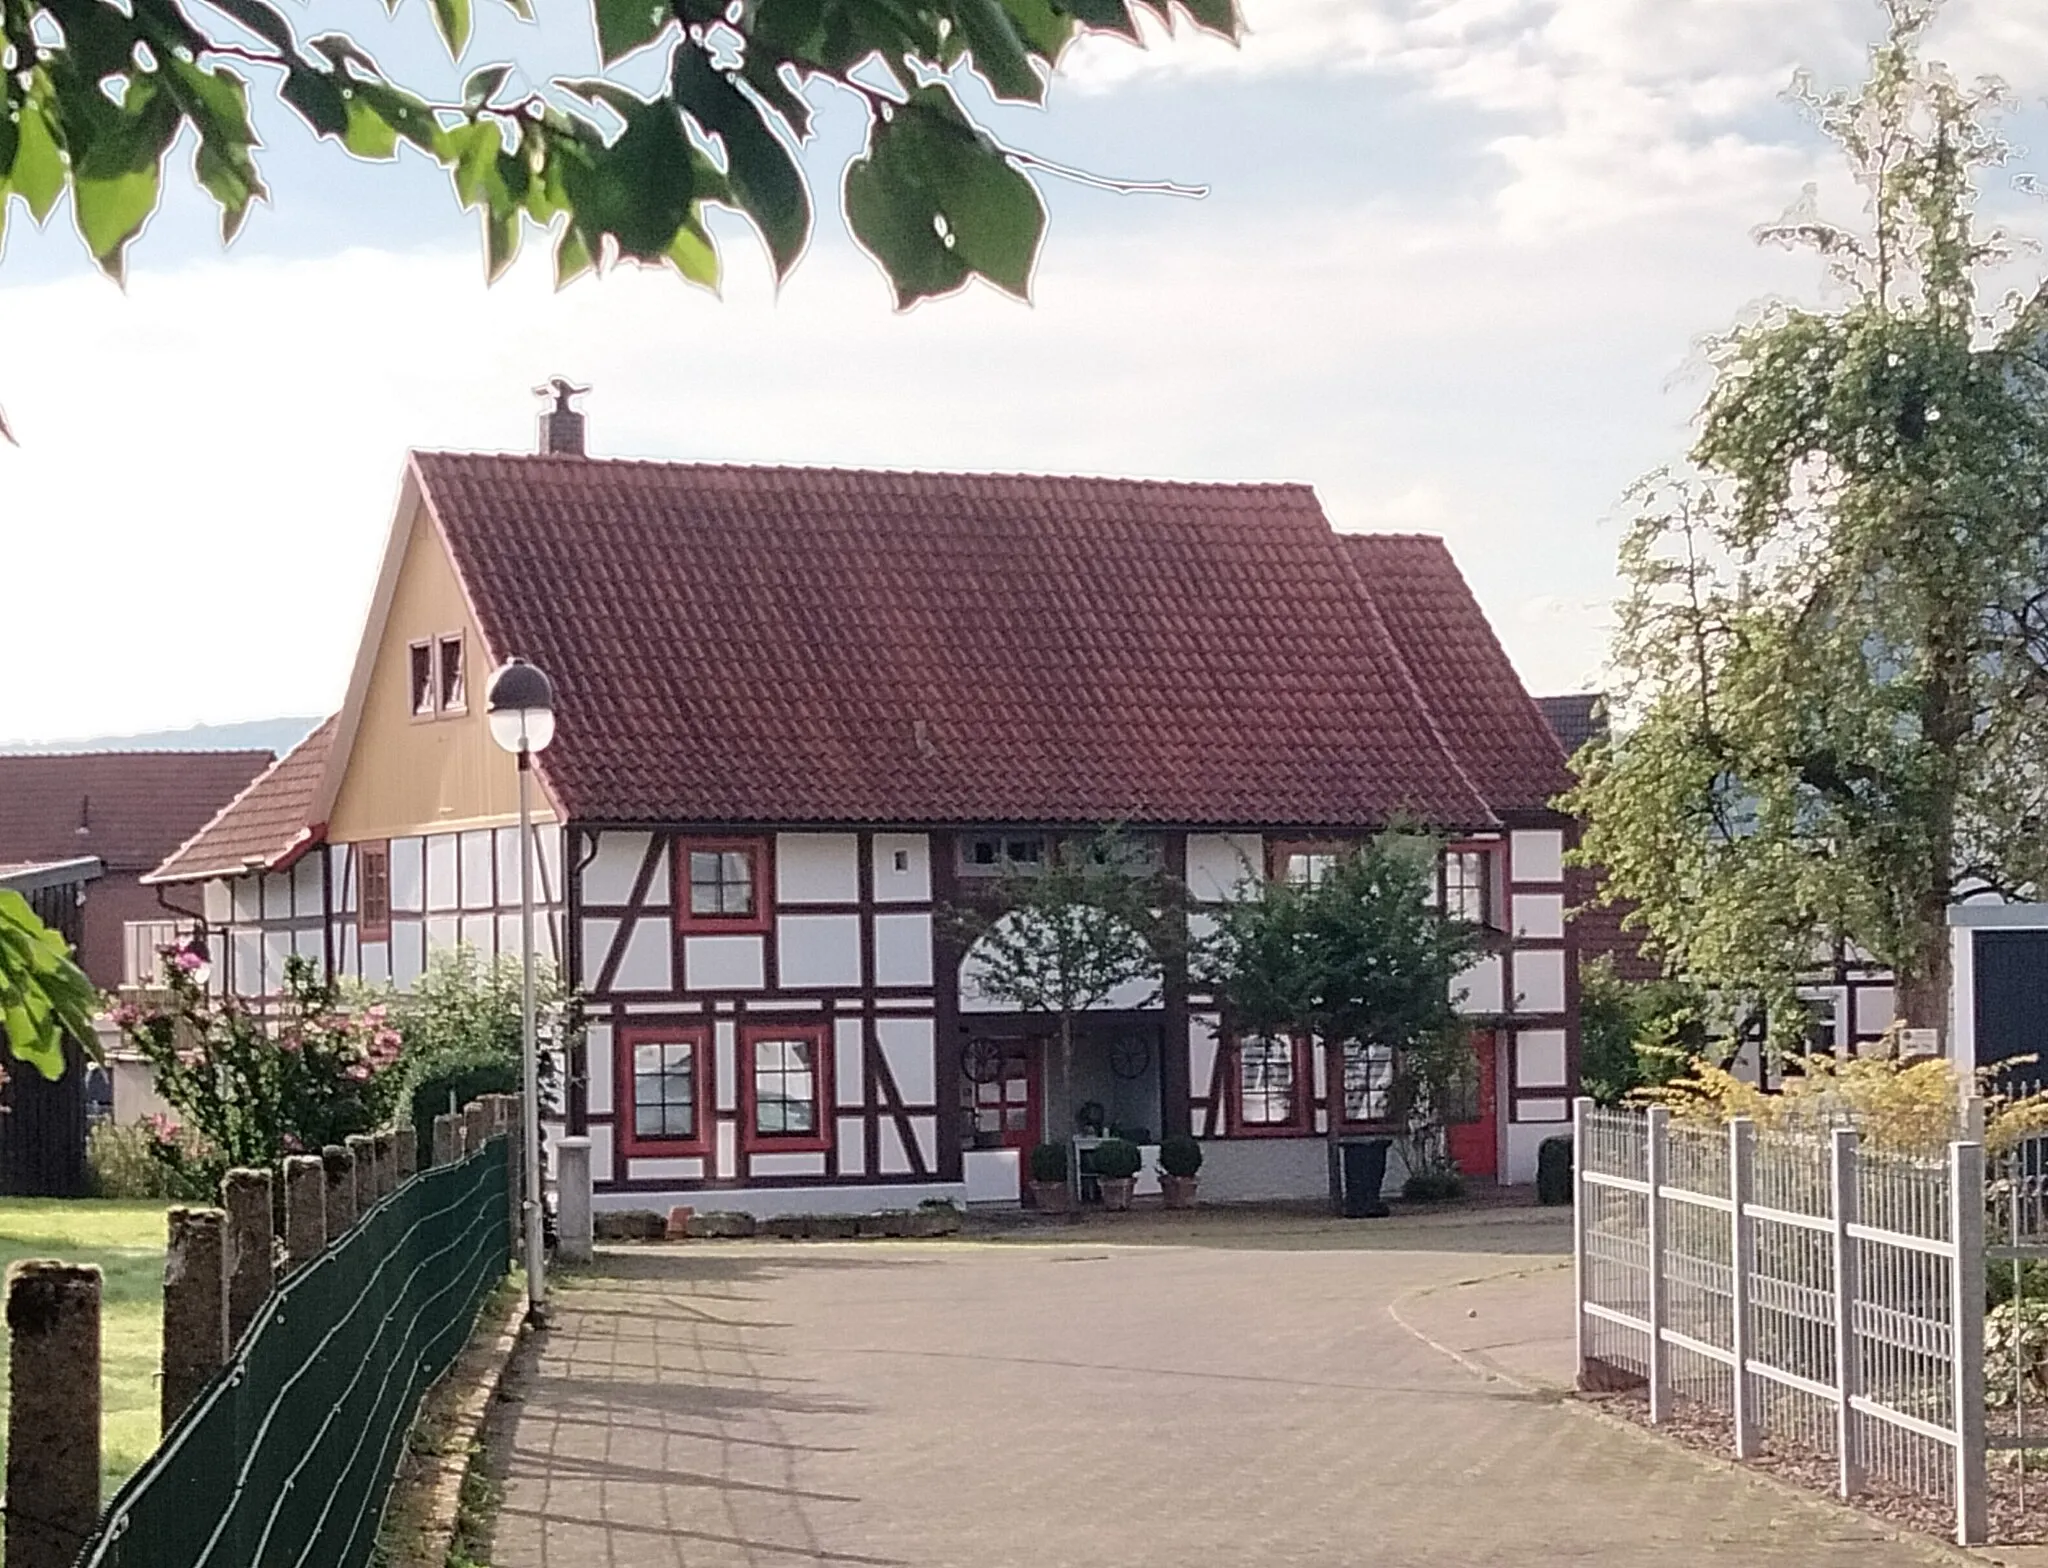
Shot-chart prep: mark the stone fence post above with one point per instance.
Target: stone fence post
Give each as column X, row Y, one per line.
column 387, row 1164
column 364, row 1148
column 511, row 1120
column 340, row 1167
column 572, row 1199
column 476, row 1126
column 305, row 1208
column 447, row 1138
column 251, row 1247
column 53, row 1412
column 195, row 1307
column 405, row 1143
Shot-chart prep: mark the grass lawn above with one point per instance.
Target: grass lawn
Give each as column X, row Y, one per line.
column 126, row 1240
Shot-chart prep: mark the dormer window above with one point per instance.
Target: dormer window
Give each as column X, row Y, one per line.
column 454, row 696
column 438, row 676
column 422, row 656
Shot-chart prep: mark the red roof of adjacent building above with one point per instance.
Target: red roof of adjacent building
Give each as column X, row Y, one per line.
column 762, row 645
column 268, row 824
column 129, row 809
column 1481, row 709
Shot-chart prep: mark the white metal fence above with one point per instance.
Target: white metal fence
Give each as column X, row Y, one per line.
column 1823, row 1298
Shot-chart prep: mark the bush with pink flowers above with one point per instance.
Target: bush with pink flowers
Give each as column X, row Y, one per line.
column 250, row 1087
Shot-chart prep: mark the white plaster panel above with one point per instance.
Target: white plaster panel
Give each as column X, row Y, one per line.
column 609, row 877
column 1536, row 855
column 277, row 947
column 217, row 899
column 598, row 932
column 601, row 1154
column 441, row 856
column 848, row 1080
column 853, row 1147
column 903, row 868
column 723, row 963
column 1558, row 1110
column 1539, row 915
column 247, row 950
column 1540, row 1059
column 992, row 1175
column 728, row 1150
column 442, row 931
column 1873, row 1009
column 675, row 1169
column 408, row 875
column 817, row 868
column 725, row 1078
column 345, row 945
column 1539, row 980
column 547, row 840
column 475, row 856
column 505, row 849
column 925, row 1130
column 907, row 1046
column 820, row 950
column 597, row 1058
column 812, row 1164
column 1478, row 989
column 479, row 931
column 1523, row 1140
column 647, row 964
column 308, row 901
column 247, row 900
column 376, row 963
column 341, row 866
column 310, row 942
column 508, row 934
column 1224, row 865
column 1203, row 1039
column 277, row 896
column 903, row 950
column 408, row 951
column 893, row 1159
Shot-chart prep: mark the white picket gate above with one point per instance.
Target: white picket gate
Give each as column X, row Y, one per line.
column 1818, row 1295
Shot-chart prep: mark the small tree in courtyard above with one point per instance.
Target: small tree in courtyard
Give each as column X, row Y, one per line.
column 1362, row 960
column 1064, row 937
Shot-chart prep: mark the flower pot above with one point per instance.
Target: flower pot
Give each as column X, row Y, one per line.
column 1116, row 1191
column 1050, row 1197
column 1177, row 1192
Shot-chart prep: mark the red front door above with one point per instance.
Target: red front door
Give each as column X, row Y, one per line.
column 1000, row 1085
column 1475, row 1143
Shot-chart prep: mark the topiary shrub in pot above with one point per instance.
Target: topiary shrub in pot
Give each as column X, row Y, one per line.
column 1554, row 1170
column 1437, row 1185
column 1050, row 1193
column 1180, row 1161
column 1116, row 1171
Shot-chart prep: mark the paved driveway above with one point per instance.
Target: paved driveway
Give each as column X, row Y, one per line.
column 1217, row 1396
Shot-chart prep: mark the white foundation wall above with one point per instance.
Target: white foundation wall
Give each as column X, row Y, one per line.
column 1246, row 1170
column 767, row 1202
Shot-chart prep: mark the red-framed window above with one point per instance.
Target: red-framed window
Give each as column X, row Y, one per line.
column 785, row 1087
column 1365, row 1079
column 1306, row 863
column 1270, row 1086
column 373, row 892
column 1465, row 884
column 663, row 1089
column 722, row 883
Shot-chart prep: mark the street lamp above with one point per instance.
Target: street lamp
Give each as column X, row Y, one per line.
column 521, row 705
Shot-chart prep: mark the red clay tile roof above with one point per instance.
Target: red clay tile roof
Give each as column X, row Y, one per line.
column 1482, row 710
column 128, row 808
column 266, row 822
column 781, row 645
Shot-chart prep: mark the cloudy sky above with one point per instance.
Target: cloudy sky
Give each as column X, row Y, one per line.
column 1452, row 268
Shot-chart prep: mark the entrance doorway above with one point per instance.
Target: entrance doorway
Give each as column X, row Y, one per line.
column 1474, row 1136
column 999, row 1091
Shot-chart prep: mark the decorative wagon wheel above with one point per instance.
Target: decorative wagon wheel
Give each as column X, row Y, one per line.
column 982, row 1061
column 1130, row 1059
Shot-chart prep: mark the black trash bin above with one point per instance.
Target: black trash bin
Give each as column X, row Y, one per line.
column 1358, row 1169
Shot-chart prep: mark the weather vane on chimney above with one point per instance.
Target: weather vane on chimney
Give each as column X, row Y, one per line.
column 561, row 427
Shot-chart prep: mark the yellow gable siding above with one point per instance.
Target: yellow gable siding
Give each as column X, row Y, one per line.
column 408, row 775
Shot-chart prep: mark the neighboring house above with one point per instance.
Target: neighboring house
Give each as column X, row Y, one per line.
column 42, row 1124
column 127, row 810
column 801, row 712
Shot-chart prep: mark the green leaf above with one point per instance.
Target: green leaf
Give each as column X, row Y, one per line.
column 452, row 19
column 111, row 212
column 763, row 173
column 38, row 173
column 368, row 134
column 501, row 241
column 695, row 256
column 572, row 257
column 483, row 85
column 316, row 96
column 262, row 20
column 640, row 189
column 626, row 25
column 999, row 54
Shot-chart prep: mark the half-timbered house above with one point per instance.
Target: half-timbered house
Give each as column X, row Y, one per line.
column 803, row 712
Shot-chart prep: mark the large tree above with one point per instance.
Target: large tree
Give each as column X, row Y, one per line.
column 1832, row 650
column 93, row 94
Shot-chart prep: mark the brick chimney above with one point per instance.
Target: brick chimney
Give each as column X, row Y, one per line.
column 561, row 427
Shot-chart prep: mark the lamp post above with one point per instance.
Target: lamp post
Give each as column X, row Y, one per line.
column 521, row 704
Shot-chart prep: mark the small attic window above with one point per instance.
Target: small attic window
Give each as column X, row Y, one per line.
column 454, row 697
column 422, row 680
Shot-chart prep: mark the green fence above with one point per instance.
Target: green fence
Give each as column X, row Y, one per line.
column 285, row 1458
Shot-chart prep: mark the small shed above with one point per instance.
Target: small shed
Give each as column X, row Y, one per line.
column 42, row 1124
column 1998, row 1007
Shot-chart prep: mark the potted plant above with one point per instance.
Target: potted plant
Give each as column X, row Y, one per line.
column 1049, row 1191
column 1116, row 1171
column 1180, row 1158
